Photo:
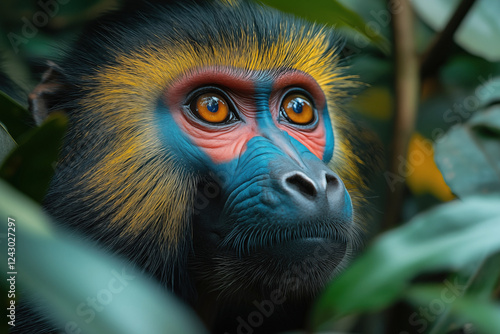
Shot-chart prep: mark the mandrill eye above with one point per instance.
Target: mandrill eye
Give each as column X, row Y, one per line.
column 298, row 109
column 211, row 107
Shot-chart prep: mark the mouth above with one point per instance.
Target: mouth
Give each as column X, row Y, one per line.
column 307, row 249
column 292, row 241
column 297, row 258
column 296, row 267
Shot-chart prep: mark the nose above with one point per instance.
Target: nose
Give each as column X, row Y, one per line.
column 313, row 191
column 321, row 186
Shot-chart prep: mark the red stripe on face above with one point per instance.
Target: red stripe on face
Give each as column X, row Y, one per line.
column 225, row 142
column 221, row 143
column 210, row 76
column 315, row 138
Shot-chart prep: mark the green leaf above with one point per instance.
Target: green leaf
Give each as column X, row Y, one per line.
column 6, row 143
column 15, row 118
column 448, row 237
column 30, row 166
column 485, row 280
column 468, row 155
column 66, row 273
column 479, row 31
column 489, row 92
column 483, row 314
column 480, row 285
column 462, row 72
column 331, row 12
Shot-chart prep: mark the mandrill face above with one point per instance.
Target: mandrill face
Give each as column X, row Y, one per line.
column 267, row 200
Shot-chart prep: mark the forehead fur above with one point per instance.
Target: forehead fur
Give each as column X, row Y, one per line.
column 160, row 43
column 129, row 64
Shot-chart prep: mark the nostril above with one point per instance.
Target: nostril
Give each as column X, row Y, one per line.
column 302, row 184
column 331, row 180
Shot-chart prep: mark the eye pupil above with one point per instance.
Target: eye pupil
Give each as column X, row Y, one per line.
column 213, row 105
column 298, row 106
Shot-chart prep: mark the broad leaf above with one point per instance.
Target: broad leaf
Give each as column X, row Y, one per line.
column 30, row 166
column 14, row 116
column 483, row 314
column 448, row 237
column 480, row 286
column 333, row 13
column 6, row 143
column 469, row 155
column 479, row 31
column 66, row 274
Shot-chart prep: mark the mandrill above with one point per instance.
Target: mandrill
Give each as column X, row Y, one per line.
column 208, row 145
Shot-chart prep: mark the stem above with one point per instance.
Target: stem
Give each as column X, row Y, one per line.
column 407, row 90
column 440, row 48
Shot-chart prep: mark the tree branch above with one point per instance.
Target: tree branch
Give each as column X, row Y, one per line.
column 407, row 90
column 440, row 48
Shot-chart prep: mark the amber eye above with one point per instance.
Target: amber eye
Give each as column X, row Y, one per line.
column 298, row 109
column 212, row 108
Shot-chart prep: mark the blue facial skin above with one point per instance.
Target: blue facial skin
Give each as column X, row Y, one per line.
column 249, row 194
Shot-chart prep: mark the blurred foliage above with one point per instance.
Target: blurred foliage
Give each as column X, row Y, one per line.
column 133, row 303
column 469, row 154
column 459, row 111
column 333, row 13
column 426, row 177
column 15, row 117
column 30, row 166
column 452, row 236
column 486, row 314
column 6, row 142
column 478, row 33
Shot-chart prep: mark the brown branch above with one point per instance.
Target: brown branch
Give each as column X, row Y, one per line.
column 439, row 49
column 407, row 90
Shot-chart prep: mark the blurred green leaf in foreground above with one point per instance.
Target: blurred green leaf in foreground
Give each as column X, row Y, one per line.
column 452, row 237
column 65, row 272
